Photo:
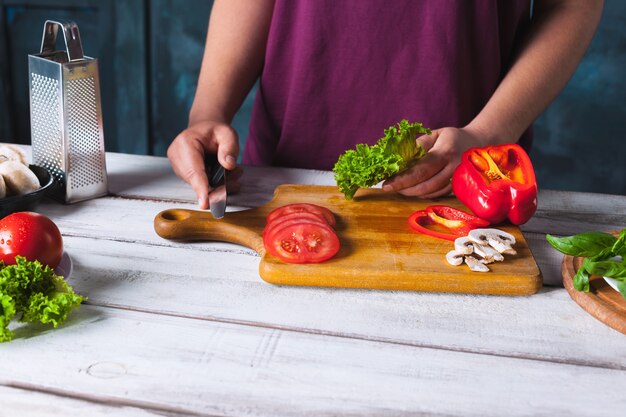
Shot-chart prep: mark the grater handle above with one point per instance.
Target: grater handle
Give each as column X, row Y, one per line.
column 71, row 35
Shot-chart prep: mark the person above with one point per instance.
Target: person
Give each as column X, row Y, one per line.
column 337, row 73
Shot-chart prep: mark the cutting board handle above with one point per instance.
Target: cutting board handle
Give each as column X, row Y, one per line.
column 190, row 225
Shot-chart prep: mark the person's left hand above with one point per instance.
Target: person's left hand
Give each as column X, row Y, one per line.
column 431, row 176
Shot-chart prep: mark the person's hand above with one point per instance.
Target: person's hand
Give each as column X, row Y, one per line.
column 431, row 176
column 188, row 150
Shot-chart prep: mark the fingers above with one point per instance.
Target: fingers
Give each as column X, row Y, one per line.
column 428, row 141
column 186, row 154
column 416, row 177
column 430, row 176
column 445, row 191
column 436, row 186
column 188, row 150
column 227, row 146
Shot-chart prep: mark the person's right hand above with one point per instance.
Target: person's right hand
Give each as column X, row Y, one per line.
column 188, row 150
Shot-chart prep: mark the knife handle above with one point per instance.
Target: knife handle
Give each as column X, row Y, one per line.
column 217, row 175
column 193, row 225
column 215, row 170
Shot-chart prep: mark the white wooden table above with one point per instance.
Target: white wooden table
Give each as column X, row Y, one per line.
column 191, row 329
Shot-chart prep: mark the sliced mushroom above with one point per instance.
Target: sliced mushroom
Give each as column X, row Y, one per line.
column 502, row 247
column 496, row 238
column 454, row 257
column 475, row 265
column 482, row 260
column 478, row 236
column 19, row 178
column 464, row 245
column 12, row 153
column 488, row 253
column 3, row 188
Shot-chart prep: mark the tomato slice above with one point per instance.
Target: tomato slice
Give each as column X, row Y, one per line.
column 302, row 208
column 302, row 242
column 304, row 216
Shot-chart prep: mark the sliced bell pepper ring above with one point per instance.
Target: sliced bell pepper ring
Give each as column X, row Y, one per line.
column 444, row 222
column 497, row 183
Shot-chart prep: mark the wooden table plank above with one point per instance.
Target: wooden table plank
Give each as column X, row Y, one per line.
column 144, row 360
column 29, row 402
column 226, row 287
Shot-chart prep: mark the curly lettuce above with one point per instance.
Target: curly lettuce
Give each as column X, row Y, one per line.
column 35, row 294
column 366, row 166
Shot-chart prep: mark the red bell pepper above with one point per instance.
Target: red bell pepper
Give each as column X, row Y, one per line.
column 444, row 222
column 496, row 183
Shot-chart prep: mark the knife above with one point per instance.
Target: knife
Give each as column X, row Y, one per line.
column 217, row 193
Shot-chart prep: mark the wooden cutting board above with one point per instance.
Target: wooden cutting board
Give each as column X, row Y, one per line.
column 602, row 301
column 378, row 249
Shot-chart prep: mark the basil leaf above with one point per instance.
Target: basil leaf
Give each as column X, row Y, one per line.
column 611, row 269
column 605, row 254
column 619, row 248
column 583, row 244
column 581, row 279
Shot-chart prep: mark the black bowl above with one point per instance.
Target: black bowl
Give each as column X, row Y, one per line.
column 28, row 202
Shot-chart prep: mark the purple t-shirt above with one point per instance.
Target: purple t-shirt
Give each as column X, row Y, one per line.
column 339, row 72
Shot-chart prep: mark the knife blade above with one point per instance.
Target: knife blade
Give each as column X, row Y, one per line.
column 217, row 194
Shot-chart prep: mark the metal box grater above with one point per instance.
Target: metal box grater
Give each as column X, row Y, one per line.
column 66, row 116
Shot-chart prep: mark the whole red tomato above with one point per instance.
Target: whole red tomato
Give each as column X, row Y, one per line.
column 31, row 235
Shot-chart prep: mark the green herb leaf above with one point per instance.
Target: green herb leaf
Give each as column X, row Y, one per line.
column 366, row 166
column 583, row 244
column 7, row 312
column 581, row 279
column 611, row 269
column 34, row 292
column 619, row 248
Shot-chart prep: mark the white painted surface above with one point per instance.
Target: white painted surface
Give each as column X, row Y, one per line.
column 147, row 360
column 190, row 328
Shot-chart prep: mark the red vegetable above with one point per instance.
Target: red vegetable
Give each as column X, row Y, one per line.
column 31, row 235
column 497, row 183
column 444, row 222
column 302, row 208
column 293, row 218
column 301, row 233
column 302, row 241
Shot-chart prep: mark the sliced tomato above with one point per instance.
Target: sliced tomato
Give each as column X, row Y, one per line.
column 294, row 217
column 302, row 242
column 302, row 208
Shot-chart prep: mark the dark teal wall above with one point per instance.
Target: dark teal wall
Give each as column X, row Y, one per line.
column 177, row 42
column 580, row 140
column 112, row 31
column 150, row 53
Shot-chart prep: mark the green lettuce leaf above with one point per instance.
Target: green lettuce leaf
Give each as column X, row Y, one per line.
column 366, row 166
column 7, row 312
column 35, row 293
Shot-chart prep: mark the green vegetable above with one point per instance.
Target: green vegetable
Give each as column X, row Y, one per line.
column 584, row 244
column 599, row 249
column 367, row 165
column 35, row 294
